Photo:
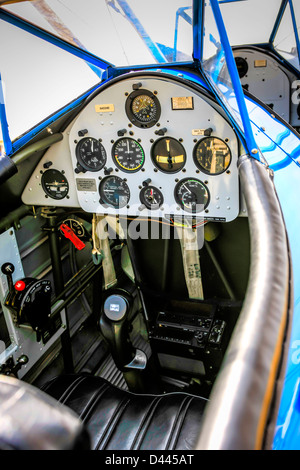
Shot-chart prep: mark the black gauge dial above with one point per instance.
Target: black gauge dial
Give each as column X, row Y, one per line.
column 168, row 155
column 192, row 195
column 76, row 226
column 114, row 192
column 55, row 184
column 242, row 66
column 151, row 197
column 128, row 154
column 212, row 155
column 91, row 154
column 143, row 108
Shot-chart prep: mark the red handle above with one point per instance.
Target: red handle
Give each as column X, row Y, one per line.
column 68, row 233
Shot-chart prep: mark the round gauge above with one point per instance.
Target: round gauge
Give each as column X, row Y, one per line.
column 55, row 184
column 151, row 197
column 192, row 195
column 242, row 66
column 76, row 226
column 142, row 108
column 212, row 155
column 168, row 155
column 114, row 192
column 91, row 154
column 128, row 154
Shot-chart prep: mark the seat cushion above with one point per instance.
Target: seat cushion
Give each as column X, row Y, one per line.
column 121, row 420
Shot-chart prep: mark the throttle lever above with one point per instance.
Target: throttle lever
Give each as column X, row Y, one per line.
column 69, row 233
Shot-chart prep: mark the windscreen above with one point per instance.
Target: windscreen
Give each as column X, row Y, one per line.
column 122, row 32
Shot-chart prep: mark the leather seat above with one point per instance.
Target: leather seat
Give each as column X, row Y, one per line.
column 121, row 420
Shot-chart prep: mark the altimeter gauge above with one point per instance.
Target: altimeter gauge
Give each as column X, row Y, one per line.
column 90, row 154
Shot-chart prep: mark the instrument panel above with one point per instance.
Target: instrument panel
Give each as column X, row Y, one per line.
column 150, row 146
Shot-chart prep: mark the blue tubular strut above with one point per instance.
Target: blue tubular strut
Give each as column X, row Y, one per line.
column 3, row 121
column 249, row 137
column 295, row 29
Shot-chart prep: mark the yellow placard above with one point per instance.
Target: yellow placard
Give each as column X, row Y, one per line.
column 104, row 108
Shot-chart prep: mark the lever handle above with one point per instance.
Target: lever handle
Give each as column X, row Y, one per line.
column 68, row 233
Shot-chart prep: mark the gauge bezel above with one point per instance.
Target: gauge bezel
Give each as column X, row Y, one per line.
column 242, row 66
column 79, row 157
column 118, row 165
column 143, row 201
column 103, row 200
column 178, row 200
column 199, row 166
column 132, row 117
column 155, row 162
column 47, row 192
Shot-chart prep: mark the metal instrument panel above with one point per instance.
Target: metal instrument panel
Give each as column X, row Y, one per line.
column 184, row 117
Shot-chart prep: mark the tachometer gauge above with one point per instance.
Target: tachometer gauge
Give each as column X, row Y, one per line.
column 143, row 108
column 55, row 184
column 192, row 195
column 212, row 155
column 128, row 154
column 114, row 192
column 90, row 154
column 151, row 197
column 168, row 155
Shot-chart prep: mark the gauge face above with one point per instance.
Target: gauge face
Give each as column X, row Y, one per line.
column 55, row 184
column 91, row 154
column 76, row 226
column 151, row 197
column 128, row 154
column 192, row 195
column 242, row 66
column 168, row 155
column 212, row 155
column 143, row 108
column 114, row 192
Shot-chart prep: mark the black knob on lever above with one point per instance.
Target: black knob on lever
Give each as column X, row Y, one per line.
column 21, row 361
column 8, row 269
column 114, row 326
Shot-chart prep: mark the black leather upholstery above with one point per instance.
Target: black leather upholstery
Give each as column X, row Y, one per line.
column 121, row 420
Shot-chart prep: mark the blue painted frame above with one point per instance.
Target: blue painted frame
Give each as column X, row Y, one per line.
column 251, row 145
column 110, row 70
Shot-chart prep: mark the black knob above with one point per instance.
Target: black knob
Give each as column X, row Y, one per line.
column 121, row 132
column 107, row 171
column 8, row 269
column 47, row 164
column 146, row 182
column 136, row 86
column 82, row 132
column 208, row 131
column 161, row 131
